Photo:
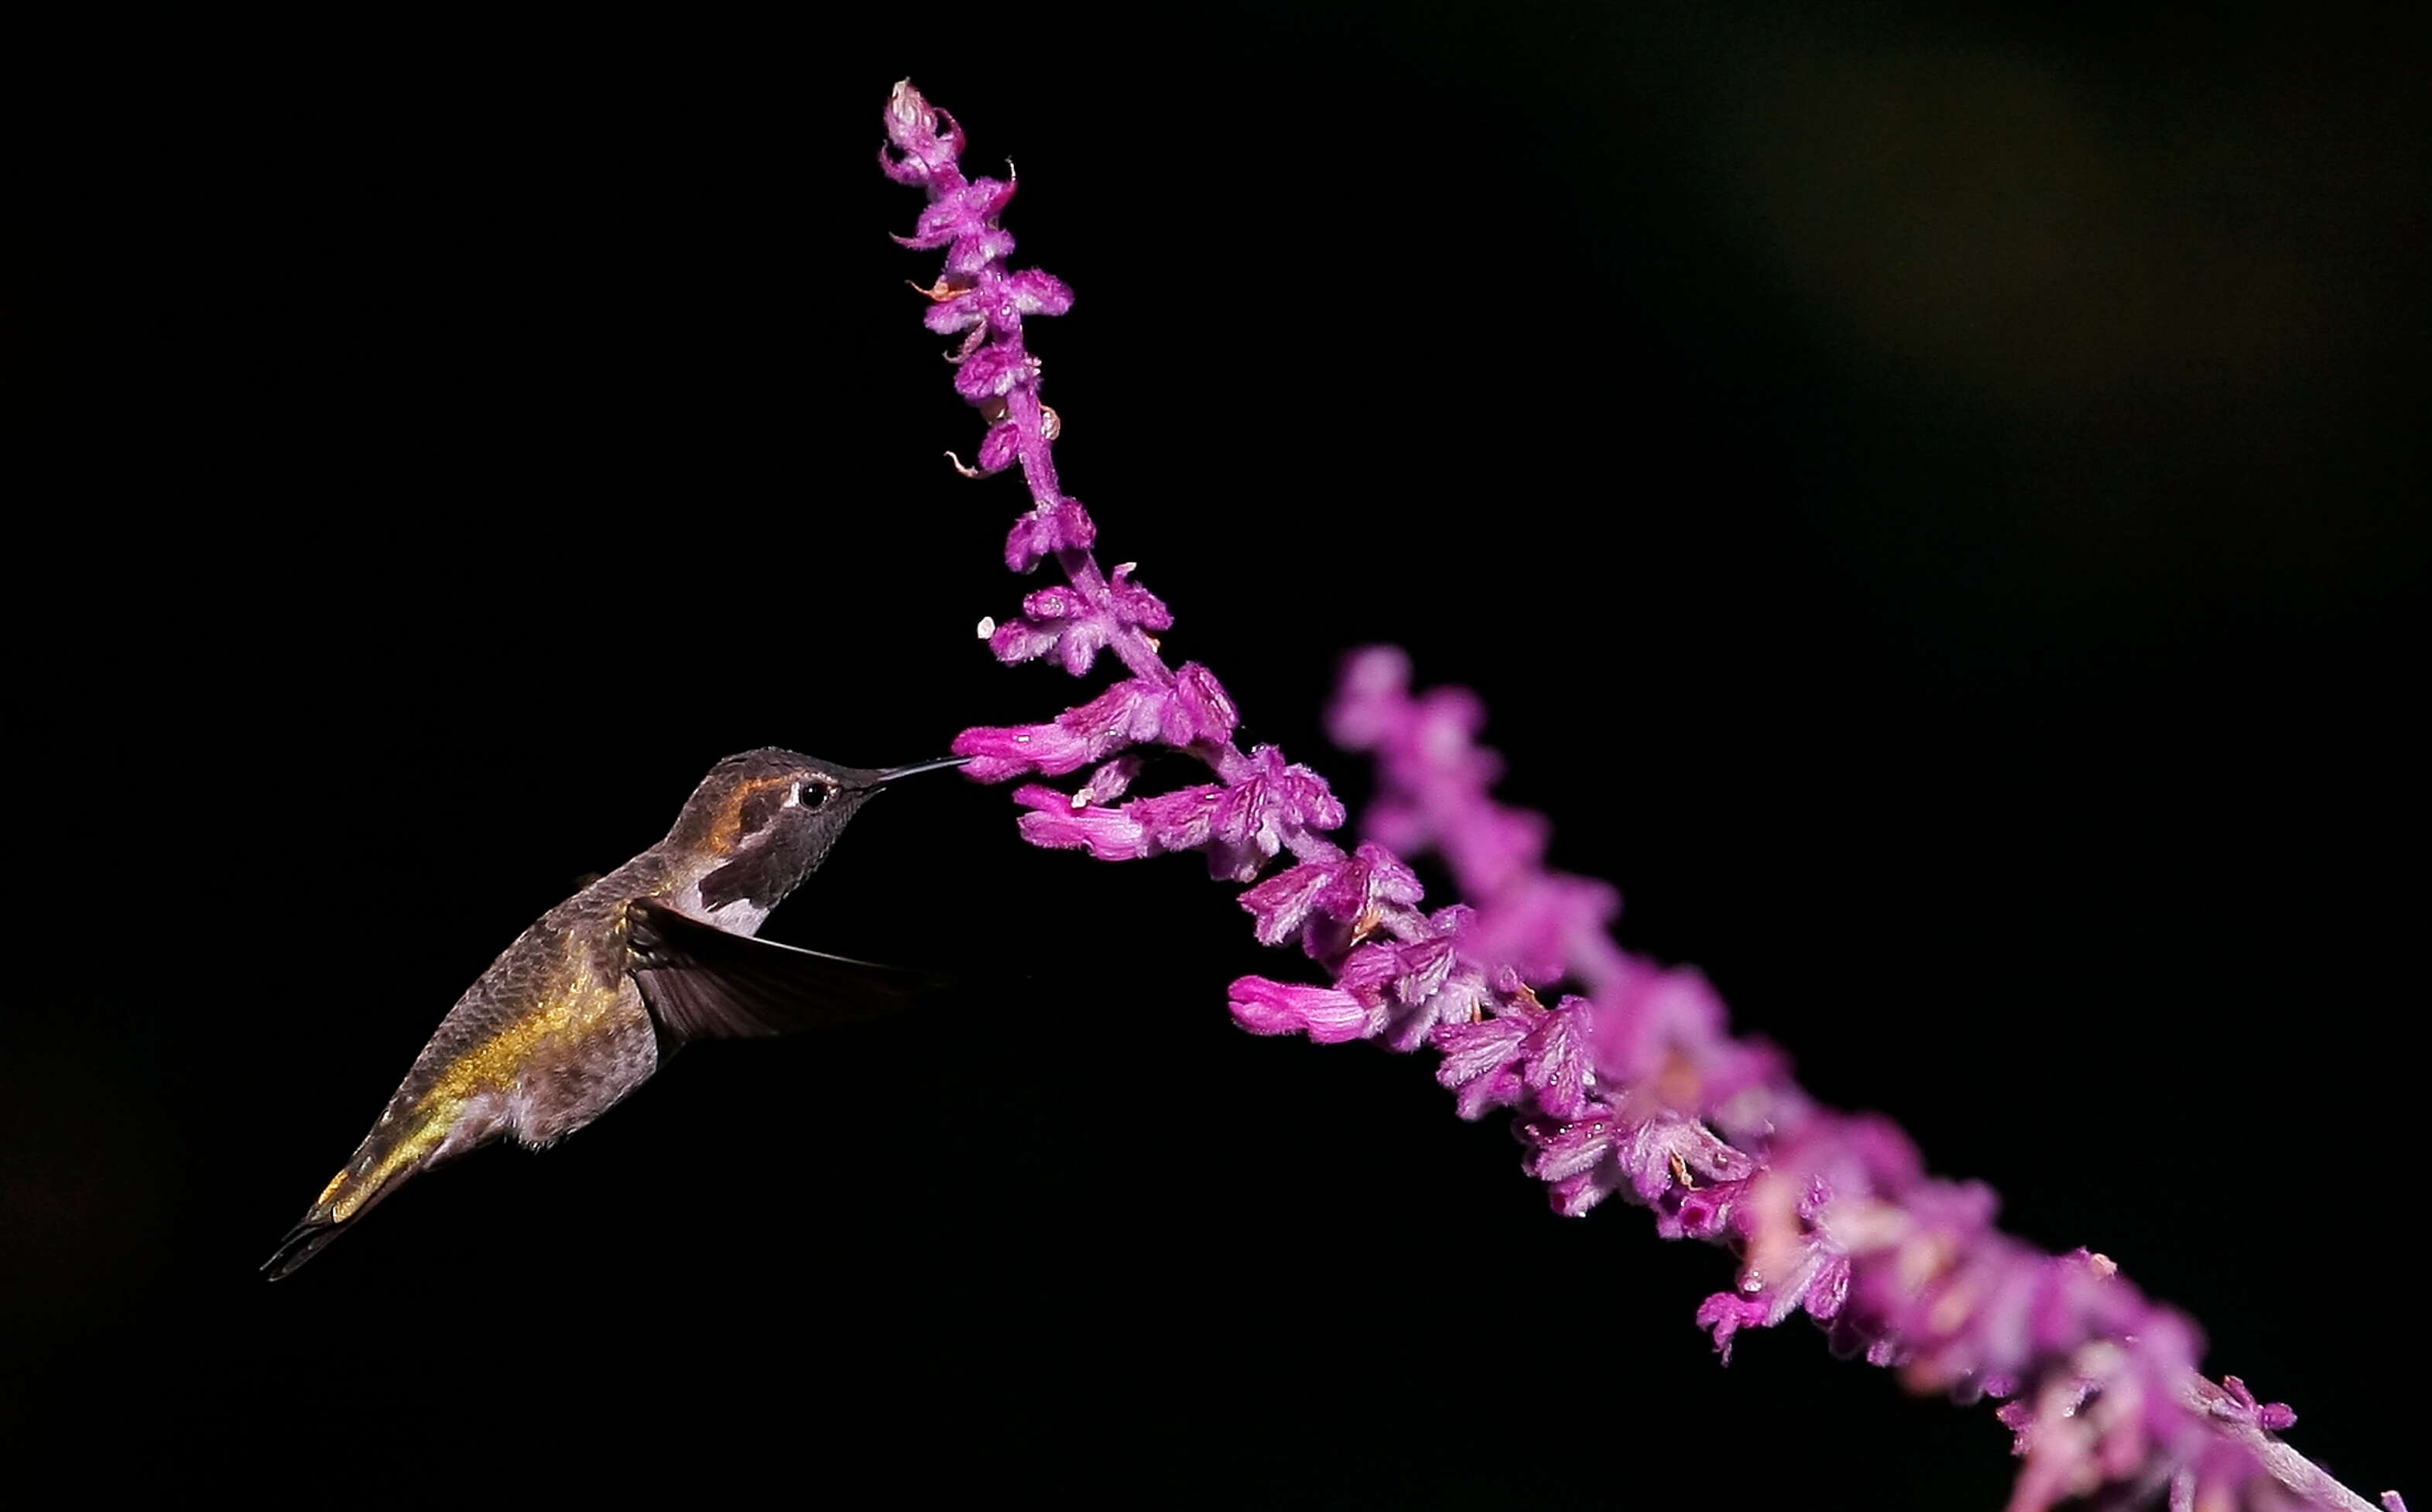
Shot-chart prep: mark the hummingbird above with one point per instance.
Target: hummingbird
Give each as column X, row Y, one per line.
column 590, row 999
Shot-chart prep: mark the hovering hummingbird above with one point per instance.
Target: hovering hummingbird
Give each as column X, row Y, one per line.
column 588, row 1001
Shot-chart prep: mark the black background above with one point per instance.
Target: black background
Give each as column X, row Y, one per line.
column 1932, row 500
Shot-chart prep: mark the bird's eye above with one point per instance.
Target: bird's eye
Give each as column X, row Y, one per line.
column 812, row 795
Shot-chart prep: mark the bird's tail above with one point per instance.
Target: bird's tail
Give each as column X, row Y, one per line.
column 394, row 1150
column 303, row 1241
column 323, row 1223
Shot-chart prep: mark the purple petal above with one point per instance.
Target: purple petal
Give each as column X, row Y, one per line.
column 1109, row 834
column 1482, row 1062
column 992, row 371
column 1368, row 701
column 1136, row 605
column 1111, row 779
column 958, row 310
column 997, row 449
column 1046, row 529
column 1537, row 924
column 1281, row 901
column 1372, row 876
column 912, row 128
column 1017, row 640
column 1180, row 819
column 1724, row 1315
column 999, row 752
column 1208, row 707
column 978, row 248
column 1439, row 992
column 1326, row 1015
column 1079, row 643
column 1494, row 848
column 1078, row 736
column 1033, row 292
column 1566, row 1149
column 1555, row 1070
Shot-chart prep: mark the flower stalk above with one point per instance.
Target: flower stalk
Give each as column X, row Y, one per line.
column 1633, row 1085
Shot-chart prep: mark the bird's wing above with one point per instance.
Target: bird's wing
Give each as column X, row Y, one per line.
column 703, row 982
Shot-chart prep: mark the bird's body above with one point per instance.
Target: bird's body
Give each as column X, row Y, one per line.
column 582, row 1008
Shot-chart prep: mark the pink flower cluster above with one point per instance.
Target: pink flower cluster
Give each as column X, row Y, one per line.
column 1633, row 1085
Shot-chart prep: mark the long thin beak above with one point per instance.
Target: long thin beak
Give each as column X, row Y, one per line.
column 885, row 777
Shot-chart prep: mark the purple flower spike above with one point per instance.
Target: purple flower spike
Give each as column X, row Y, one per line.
column 1635, row 1085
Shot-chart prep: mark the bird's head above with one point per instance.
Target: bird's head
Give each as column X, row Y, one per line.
column 766, row 819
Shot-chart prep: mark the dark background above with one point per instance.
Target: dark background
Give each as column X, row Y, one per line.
column 1937, row 518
